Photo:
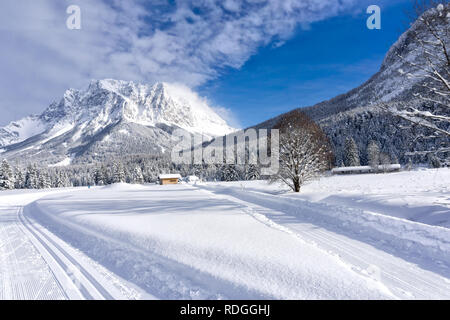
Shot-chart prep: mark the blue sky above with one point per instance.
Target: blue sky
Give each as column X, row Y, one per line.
column 252, row 59
column 332, row 57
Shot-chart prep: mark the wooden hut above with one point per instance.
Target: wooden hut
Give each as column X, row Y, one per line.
column 172, row 178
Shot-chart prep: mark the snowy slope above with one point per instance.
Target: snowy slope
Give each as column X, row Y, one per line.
column 83, row 122
column 21, row 130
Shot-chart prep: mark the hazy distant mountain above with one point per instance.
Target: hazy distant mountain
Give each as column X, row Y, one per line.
column 111, row 117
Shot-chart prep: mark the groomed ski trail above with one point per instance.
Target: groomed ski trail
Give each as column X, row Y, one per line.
column 396, row 276
column 35, row 264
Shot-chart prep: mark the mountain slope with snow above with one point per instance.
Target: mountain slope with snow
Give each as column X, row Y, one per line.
column 111, row 117
column 18, row 131
column 358, row 113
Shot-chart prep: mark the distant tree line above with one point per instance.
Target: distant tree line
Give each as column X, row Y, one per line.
column 132, row 169
column 305, row 152
column 375, row 157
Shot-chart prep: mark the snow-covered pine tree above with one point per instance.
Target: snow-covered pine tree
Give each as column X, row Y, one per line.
column 351, row 155
column 6, row 176
column 19, row 181
column 252, row 172
column 44, row 180
column 240, row 169
column 409, row 165
column 62, row 180
column 394, row 159
column 229, row 173
column 31, row 177
column 118, row 172
column 40, row 181
column 434, row 161
column 212, row 172
column 136, row 175
column 104, row 174
column 66, row 180
column 385, row 161
column 373, row 154
column 128, row 172
column 97, row 177
column 197, row 170
column 100, row 176
column 58, row 180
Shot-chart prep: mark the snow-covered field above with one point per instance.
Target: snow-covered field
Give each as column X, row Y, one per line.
column 384, row 236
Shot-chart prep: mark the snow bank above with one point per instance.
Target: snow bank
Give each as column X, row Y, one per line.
column 388, row 167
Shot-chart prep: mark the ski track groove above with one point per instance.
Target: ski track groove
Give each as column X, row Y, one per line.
column 34, row 266
column 358, row 258
column 349, row 248
column 403, row 279
column 47, row 243
column 16, row 242
column 58, row 260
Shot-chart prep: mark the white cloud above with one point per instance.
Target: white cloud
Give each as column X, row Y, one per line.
column 189, row 42
column 228, row 115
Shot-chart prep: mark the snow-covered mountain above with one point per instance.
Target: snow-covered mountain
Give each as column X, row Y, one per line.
column 110, row 117
column 358, row 113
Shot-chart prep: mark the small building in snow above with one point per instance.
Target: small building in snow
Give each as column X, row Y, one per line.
column 172, row 178
column 367, row 169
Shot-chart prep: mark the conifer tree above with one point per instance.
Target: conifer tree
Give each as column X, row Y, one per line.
column 6, row 176
column 351, row 155
column 31, row 177
column 373, row 154
column 252, row 172
column 136, row 176
column 19, row 182
column 118, row 172
column 229, row 173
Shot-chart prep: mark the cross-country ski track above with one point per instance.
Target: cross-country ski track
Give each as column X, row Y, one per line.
column 213, row 241
column 36, row 264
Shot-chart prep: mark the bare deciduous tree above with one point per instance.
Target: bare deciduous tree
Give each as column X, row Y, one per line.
column 305, row 150
column 431, row 33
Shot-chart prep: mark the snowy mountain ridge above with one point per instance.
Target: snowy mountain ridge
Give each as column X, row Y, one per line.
column 108, row 101
column 83, row 118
